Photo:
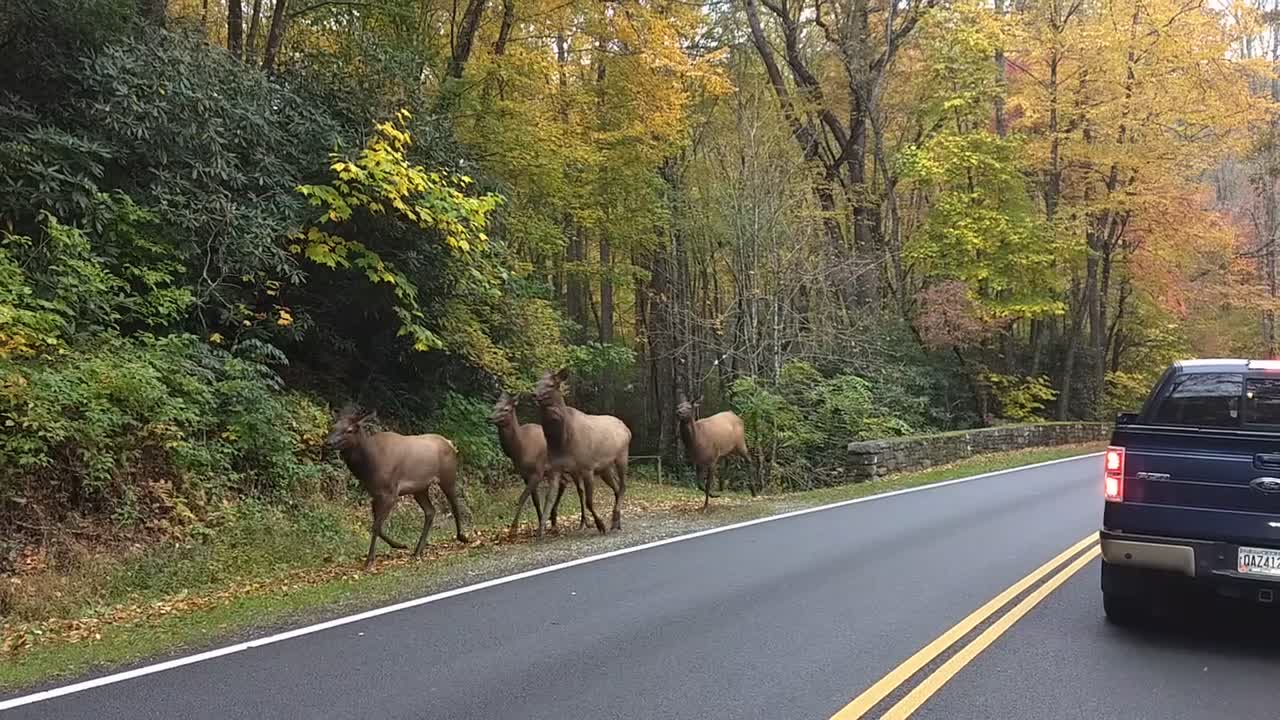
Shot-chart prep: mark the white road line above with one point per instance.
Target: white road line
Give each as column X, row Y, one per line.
column 298, row 632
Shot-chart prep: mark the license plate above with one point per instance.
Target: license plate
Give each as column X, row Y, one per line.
column 1259, row 561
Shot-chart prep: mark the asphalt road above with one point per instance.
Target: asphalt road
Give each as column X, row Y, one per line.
column 780, row 620
column 1206, row 660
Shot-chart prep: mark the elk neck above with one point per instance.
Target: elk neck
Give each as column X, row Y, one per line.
column 509, row 437
column 689, row 434
column 359, row 460
column 555, row 427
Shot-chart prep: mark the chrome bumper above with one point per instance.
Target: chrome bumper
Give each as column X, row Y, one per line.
column 1174, row 558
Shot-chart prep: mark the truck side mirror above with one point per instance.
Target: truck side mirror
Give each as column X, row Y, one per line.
column 1126, row 418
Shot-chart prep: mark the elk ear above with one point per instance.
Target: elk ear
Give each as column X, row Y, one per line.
column 504, row 398
column 561, row 375
column 368, row 416
column 681, row 397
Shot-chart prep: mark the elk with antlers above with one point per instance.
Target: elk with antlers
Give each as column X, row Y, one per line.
column 581, row 446
column 708, row 440
column 389, row 465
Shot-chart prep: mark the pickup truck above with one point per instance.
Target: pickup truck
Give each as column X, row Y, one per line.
column 1192, row 489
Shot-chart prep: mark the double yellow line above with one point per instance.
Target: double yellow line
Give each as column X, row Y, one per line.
column 939, row 677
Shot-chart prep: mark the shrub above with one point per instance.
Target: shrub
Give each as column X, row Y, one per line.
column 1125, row 392
column 798, row 429
column 1021, row 399
column 464, row 421
column 151, row 430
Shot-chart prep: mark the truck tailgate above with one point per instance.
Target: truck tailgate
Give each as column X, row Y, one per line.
column 1210, row 484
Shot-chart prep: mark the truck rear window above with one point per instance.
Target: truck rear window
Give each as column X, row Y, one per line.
column 1262, row 401
column 1204, row 400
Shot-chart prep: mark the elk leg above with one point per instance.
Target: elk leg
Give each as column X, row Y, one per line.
column 393, row 543
column 558, row 489
column 705, row 474
column 751, row 469
column 582, row 503
column 381, row 508
column 387, row 538
column 610, row 478
column 619, row 491
column 428, row 517
column 450, row 489
column 537, row 508
column 587, row 487
column 529, row 487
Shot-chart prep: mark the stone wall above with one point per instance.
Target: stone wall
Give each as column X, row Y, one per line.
column 871, row 459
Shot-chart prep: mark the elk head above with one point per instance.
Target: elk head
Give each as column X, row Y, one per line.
column 547, row 392
column 504, row 410
column 348, row 428
column 686, row 410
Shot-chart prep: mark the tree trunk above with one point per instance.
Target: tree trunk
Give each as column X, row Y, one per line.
column 606, row 255
column 504, row 30
column 235, row 28
column 1078, row 313
column 1038, row 336
column 1001, row 68
column 801, row 129
column 606, row 291
column 866, row 215
column 255, row 28
column 1053, row 188
column 465, row 38
column 275, row 36
column 575, row 289
column 1094, row 301
column 661, row 324
column 1269, row 315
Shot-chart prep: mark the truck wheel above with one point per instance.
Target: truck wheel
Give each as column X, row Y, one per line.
column 1121, row 610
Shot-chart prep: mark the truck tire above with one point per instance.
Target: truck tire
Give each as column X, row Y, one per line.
column 1122, row 594
column 1122, row 610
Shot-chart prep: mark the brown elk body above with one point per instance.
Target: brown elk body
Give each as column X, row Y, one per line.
column 582, row 446
column 708, row 440
column 527, row 447
column 389, row 465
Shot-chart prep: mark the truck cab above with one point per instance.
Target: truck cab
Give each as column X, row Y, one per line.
column 1192, row 488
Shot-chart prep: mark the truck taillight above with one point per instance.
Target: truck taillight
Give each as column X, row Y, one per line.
column 1113, row 476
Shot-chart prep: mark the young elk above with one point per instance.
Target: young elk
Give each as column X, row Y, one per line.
column 581, row 445
column 527, row 447
column 389, row 465
column 708, row 440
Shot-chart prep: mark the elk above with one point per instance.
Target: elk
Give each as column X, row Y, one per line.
column 527, row 447
column 708, row 440
column 581, row 446
column 389, row 465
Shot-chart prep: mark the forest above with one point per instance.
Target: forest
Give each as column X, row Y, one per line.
column 843, row 219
